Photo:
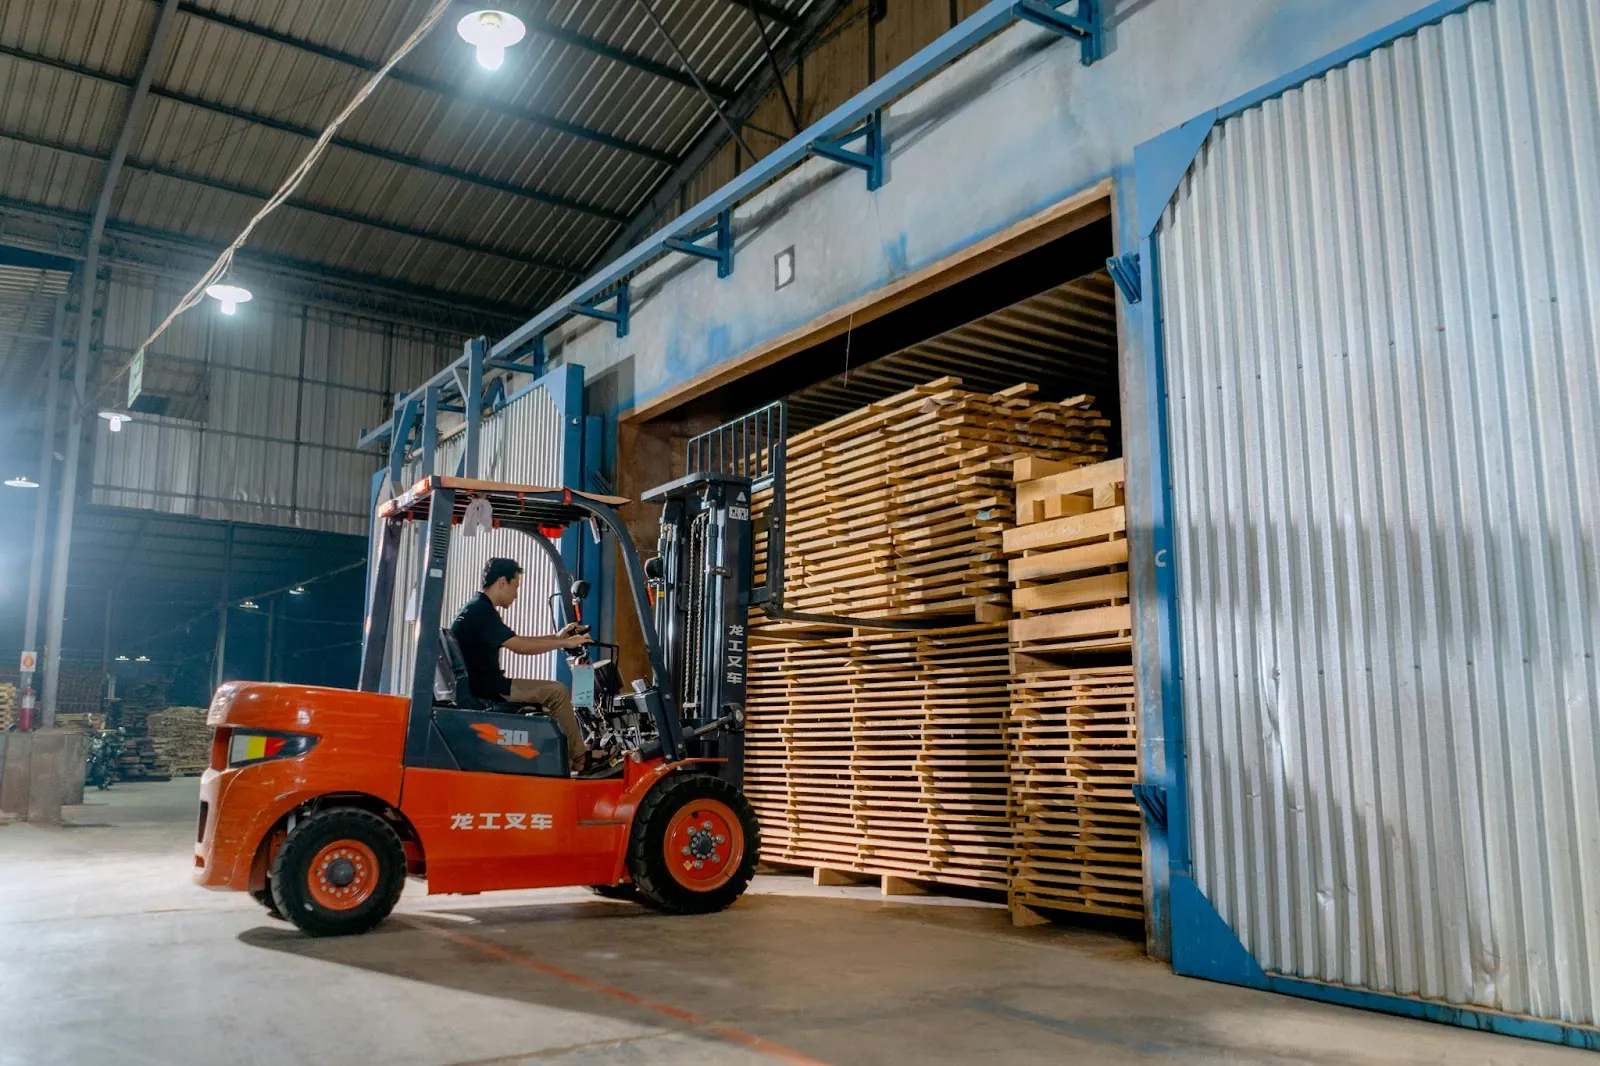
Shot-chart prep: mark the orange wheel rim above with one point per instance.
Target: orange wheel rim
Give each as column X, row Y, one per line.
column 343, row 875
column 704, row 845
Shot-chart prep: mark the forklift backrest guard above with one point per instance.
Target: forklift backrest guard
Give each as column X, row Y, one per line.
column 430, row 607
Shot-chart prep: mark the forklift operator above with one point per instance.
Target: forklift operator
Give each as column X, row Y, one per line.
column 481, row 633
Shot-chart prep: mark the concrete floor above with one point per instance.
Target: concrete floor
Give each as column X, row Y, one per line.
column 109, row 955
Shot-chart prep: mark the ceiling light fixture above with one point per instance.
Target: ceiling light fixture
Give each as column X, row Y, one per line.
column 22, row 481
column 142, row 659
column 116, row 418
column 250, row 605
column 122, row 658
column 298, row 590
column 491, row 33
column 229, row 295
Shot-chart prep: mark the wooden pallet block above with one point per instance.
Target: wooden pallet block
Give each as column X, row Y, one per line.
column 1079, row 833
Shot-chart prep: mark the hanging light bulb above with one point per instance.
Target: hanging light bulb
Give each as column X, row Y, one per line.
column 491, row 33
column 229, row 295
column 116, row 418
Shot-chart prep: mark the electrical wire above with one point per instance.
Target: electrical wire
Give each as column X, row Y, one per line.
column 224, row 262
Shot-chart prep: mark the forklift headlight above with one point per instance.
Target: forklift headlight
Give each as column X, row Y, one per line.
column 245, row 748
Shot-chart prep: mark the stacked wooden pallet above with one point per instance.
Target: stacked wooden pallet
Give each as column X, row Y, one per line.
column 883, row 753
column 139, row 760
column 181, row 740
column 8, row 706
column 1074, row 761
column 898, row 509
column 81, row 721
column 1071, row 573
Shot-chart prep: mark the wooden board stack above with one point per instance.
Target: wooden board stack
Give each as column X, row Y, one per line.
column 883, row 753
column 898, row 509
column 82, row 721
column 1071, row 580
column 8, row 706
column 181, row 739
column 1075, row 758
column 139, row 760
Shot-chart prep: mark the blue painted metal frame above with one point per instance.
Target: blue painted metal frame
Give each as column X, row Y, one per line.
column 821, row 138
column 1124, row 270
column 720, row 251
column 565, row 387
column 1202, row 943
column 620, row 315
column 871, row 156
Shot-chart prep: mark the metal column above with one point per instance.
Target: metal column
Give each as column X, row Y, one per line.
column 223, row 608
column 80, row 365
column 41, row 514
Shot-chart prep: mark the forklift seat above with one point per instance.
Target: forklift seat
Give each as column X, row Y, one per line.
column 450, row 685
column 452, row 689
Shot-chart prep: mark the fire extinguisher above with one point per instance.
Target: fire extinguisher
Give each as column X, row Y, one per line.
column 25, row 711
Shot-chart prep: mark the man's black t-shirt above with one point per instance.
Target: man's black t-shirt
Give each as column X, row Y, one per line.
column 480, row 632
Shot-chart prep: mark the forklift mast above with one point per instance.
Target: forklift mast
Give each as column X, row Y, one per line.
column 701, row 578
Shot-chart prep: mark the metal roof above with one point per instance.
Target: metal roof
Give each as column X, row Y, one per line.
column 28, row 296
column 504, row 186
column 1064, row 340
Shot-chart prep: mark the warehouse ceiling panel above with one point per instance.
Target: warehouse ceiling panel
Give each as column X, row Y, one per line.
column 502, row 187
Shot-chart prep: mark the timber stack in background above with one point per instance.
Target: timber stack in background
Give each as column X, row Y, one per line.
column 1074, row 736
column 880, row 753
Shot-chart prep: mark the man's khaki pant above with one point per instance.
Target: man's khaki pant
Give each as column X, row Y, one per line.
column 557, row 703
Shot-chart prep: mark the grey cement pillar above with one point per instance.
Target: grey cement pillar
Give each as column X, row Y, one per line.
column 14, row 783
column 47, row 783
column 74, row 761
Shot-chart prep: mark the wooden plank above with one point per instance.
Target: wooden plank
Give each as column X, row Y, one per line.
column 1062, row 594
column 1069, row 560
column 1063, row 532
column 1100, row 620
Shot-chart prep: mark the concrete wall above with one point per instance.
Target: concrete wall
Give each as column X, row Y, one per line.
column 1013, row 128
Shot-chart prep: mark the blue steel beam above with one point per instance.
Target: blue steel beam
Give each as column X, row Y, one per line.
column 828, row 131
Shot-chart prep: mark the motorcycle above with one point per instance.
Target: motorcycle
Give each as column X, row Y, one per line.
column 105, row 746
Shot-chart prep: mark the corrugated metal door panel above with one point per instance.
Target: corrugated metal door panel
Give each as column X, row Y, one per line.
column 520, row 444
column 1379, row 294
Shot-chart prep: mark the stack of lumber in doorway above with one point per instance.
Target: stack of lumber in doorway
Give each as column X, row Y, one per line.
column 1071, row 580
column 8, row 706
column 883, row 753
column 82, row 721
column 1075, row 759
column 181, row 739
column 897, row 510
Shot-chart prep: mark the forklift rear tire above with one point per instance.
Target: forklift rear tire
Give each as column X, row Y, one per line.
column 339, row 872
column 695, row 845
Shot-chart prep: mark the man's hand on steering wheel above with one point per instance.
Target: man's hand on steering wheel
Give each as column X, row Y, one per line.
column 574, row 635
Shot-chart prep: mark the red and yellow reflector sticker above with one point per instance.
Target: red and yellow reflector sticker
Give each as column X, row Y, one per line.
column 250, row 747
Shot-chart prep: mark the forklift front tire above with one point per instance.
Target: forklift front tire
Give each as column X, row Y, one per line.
column 339, row 872
column 695, row 845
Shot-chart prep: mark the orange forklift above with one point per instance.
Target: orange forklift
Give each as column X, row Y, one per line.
column 320, row 802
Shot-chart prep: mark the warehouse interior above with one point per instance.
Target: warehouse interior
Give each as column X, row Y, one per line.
column 1036, row 533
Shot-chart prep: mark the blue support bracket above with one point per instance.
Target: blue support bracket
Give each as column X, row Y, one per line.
column 494, row 397
column 1124, row 270
column 592, row 308
column 430, row 428
column 472, row 403
column 404, row 421
column 869, row 158
column 532, row 361
column 719, row 251
column 1087, row 24
column 1152, row 800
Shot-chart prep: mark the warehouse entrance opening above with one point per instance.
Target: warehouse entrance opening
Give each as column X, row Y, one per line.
column 954, row 494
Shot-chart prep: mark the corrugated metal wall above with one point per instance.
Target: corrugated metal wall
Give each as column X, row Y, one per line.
column 521, row 443
column 1380, row 296
column 263, row 410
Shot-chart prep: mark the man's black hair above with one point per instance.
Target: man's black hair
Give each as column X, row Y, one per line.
column 495, row 569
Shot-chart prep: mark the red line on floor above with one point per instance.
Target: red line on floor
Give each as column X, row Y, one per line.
column 727, row 1033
